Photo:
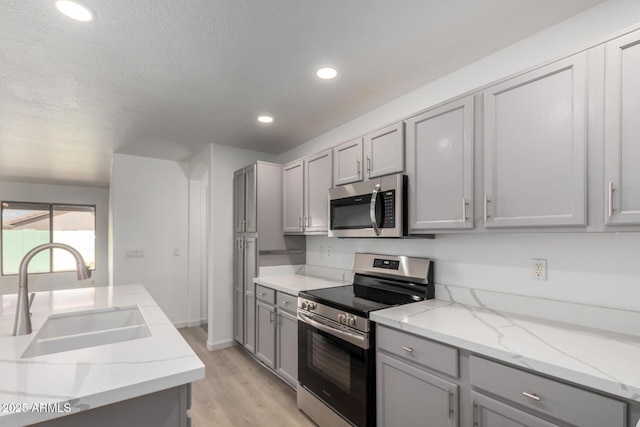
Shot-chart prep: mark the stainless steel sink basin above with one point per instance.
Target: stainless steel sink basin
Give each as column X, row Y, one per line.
column 83, row 329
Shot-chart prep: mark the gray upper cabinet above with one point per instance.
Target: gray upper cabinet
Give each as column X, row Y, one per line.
column 439, row 157
column 317, row 182
column 245, row 203
column 305, row 187
column 622, row 131
column 535, row 147
column 347, row 162
column 293, row 197
column 384, row 151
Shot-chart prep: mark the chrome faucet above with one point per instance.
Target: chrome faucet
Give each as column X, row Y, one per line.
column 22, row 326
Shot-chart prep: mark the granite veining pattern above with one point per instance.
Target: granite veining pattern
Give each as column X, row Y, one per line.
column 603, row 360
column 91, row 377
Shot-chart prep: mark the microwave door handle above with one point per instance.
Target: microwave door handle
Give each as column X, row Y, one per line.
column 372, row 209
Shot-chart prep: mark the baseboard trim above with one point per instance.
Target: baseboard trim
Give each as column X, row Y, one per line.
column 220, row 345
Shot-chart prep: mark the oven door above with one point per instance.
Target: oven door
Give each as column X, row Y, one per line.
column 337, row 372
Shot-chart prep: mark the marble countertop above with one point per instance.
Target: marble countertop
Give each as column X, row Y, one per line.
column 294, row 283
column 90, row 377
column 602, row 360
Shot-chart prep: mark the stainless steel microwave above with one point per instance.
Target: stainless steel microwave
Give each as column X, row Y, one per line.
column 374, row 208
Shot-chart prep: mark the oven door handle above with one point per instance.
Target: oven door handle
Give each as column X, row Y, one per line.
column 372, row 209
column 361, row 341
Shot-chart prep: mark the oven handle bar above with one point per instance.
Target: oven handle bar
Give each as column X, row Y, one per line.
column 361, row 341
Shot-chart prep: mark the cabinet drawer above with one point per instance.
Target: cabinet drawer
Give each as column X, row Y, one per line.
column 429, row 353
column 561, row 401
column 267, row 295
column 287, row 302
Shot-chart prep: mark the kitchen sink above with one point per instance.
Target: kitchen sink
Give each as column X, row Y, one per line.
column 84, row 329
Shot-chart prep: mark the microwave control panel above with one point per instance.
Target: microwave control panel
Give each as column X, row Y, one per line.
column 389, row 209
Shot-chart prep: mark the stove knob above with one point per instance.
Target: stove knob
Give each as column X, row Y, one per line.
column 312, row 306
column 304, row 305
column 351, row 321
column 341, row 318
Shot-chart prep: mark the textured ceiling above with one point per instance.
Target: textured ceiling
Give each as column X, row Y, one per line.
column 163, row 78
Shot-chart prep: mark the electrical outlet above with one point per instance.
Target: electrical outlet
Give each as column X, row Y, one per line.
column 539, row 269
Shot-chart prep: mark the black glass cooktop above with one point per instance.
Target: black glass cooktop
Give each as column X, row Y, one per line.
column 369, row 293
column 344, row 298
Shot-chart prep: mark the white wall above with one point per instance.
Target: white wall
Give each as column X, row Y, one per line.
column 23, row 192
column 224, row 160
column 150, row 213
column 594, row 269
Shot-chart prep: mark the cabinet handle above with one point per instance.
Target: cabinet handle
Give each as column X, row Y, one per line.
column 271, row 317
column 299, row 222
column 285, row 302
column 261, row 294
column 246, row 225
column 450, row 404
column 368, row 164
column 610, row 198
column 358, row 166
column 408, row 349
column 532, row 396
column 464, row 210
column 486, row 213
column 473, row 413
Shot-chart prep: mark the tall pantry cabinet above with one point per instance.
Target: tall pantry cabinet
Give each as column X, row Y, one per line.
column 258, row 240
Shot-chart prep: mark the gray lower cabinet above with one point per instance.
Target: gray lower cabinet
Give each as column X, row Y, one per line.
column 287, row 347
column 266, row 333
column 488, row 412
column 409, row 396
column 535, row 147
column 277, row 332
column 545, row 397
column 622, row 131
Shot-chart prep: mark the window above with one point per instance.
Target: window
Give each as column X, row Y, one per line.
column 27, row 225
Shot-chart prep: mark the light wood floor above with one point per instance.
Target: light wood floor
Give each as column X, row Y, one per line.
column 238, row 391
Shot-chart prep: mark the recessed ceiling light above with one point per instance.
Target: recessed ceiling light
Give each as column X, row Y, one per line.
column 265, row 119
column 75, row 10
column 327, row 73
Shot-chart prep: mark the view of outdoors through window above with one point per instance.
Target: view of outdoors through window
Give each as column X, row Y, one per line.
column 27, row 225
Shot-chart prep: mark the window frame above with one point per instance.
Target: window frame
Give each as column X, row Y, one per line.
column 51, row 207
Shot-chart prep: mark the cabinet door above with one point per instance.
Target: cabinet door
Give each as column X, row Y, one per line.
column 535, row 147
column 408, row 396
column 238, row 200
column 440, row 167
column 292, row 197
column 287, row 347
column 622, row 130
column 251, row 212
column 491, row 413
column 249, row 293
column 384, row 151
column 238, row 291
column 317, row 182
column 266, row 333
column 347, row 162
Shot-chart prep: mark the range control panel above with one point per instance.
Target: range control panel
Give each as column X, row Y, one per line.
column 385, row 263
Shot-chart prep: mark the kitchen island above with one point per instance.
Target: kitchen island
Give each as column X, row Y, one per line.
column 106, row 384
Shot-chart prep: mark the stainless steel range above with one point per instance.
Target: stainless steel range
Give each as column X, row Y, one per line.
column 336, row 339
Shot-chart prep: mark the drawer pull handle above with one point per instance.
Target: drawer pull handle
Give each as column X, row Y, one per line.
column 285, row 302
column 407, row 349
column 531, row 396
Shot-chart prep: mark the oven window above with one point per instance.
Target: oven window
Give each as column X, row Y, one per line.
column 331, row 362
